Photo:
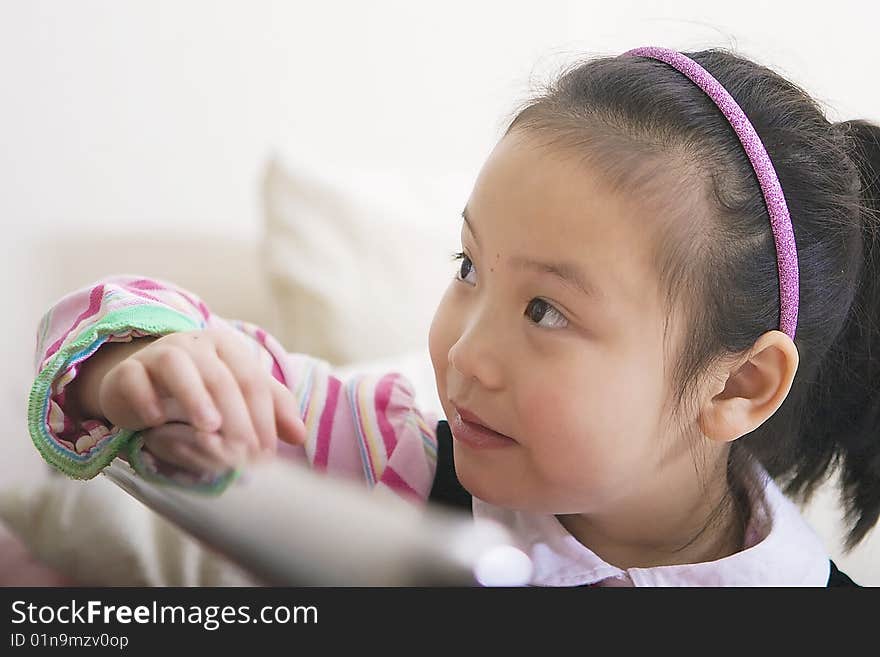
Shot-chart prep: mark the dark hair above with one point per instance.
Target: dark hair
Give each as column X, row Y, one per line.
column 654, row 131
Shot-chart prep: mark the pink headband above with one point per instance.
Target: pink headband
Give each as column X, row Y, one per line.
column 780, row 221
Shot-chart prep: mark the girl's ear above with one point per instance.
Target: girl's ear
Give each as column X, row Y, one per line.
column 751, row 391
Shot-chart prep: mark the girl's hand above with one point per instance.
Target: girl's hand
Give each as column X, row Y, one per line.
column 206, row 402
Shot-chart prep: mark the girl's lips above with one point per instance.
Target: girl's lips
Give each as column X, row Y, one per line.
column 476, row 435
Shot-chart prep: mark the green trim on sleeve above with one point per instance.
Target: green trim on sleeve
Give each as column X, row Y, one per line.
column 150, row 319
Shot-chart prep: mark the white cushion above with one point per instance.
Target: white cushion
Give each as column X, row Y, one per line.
column 96, row 534
column 358, row 260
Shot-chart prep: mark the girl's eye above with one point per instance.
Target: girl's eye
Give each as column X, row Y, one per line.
column 538, row 309
column 466, row 267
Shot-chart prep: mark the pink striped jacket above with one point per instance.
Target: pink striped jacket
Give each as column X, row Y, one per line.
column 365, row 427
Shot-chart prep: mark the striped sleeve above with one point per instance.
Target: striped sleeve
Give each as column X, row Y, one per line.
column 365, row 427
column 115, row 309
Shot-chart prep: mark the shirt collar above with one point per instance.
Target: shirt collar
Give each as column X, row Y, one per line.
column 781, row 549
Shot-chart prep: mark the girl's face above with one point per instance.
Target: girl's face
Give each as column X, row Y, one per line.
column 564, row 357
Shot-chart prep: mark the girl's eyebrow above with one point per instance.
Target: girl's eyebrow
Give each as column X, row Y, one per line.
column 467, row 220
column 567, row 272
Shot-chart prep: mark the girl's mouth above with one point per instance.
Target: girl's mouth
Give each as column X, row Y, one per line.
column 476, row 435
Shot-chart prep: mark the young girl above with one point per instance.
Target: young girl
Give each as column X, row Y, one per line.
column 663, row 317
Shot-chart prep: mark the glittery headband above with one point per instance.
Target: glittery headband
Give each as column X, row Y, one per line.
column 780, row 221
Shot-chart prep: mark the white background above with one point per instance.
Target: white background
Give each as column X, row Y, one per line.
column 114, row 113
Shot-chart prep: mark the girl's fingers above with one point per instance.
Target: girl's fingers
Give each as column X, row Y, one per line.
column 173, row 410
column 173, row 371
column 200, row 464
column 130, row 388
column 236, row 427
column 254, row 387
column 158, row 444
column 176, row 443
column 215, row 448
column 192, row 381
column 288, row 422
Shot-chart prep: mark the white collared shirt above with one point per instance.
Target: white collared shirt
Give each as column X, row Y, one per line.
column 781, row 549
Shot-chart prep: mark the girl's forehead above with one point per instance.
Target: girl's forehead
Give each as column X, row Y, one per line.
column 536, row 204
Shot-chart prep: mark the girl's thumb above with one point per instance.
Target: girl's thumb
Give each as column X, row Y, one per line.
column 288, row 423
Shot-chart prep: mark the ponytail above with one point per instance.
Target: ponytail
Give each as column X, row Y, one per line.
column 846, row 396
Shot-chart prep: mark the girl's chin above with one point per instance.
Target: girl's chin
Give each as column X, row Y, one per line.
column 483, row 485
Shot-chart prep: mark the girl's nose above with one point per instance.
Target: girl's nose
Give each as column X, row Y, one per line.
column 477, row 355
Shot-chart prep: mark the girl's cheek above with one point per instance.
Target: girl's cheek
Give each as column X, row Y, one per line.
column 576, row 411
column 440, row 339
column 544, row 407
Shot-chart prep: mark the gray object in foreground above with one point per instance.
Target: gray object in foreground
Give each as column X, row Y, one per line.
column 290, row 526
